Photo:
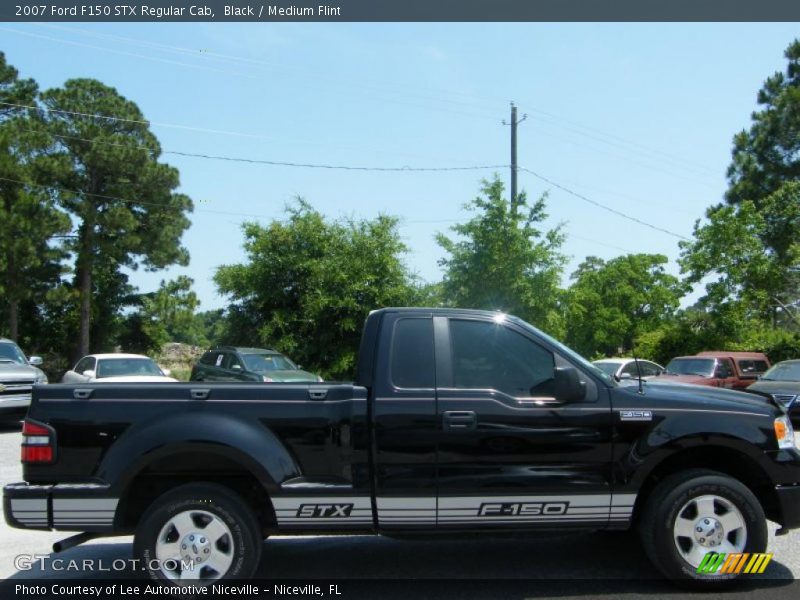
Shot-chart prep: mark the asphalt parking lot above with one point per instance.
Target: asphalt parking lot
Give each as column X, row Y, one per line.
column 553, row 565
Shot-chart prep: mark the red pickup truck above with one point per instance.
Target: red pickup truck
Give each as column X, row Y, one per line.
column 735, row 370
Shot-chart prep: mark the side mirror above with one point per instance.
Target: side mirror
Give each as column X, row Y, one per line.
column 236, row 367
column 89, row 373
column 35, row 361
column 624, row 376
column 166, row 372
column 569, row 387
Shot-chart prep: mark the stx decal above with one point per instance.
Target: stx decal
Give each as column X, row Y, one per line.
column 524, row 509
column 310, row 511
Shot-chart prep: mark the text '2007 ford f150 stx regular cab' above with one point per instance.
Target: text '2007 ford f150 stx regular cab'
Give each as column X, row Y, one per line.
column 458, row 421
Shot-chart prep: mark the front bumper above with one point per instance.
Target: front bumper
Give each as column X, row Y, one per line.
column 15, row 405
column 67, row 507
column 789, row 505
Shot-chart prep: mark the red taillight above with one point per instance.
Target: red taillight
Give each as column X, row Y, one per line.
column 38, row 442
column 30, row 428
column 37, row 454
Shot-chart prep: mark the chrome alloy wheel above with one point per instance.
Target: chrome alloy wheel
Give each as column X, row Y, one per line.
column 195, row 544
column 708, row 524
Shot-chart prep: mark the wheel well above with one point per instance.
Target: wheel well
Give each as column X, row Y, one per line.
column 716, row 458
column 178, row 469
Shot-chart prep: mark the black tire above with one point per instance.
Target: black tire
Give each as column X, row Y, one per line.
column 661, row 511
column 201, row 501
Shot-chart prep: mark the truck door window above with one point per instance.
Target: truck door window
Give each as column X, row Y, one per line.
column 724, row 369
column 230, row 360
column 85, row 364
column 492, row 356
column 752, row 367
column 412, row 354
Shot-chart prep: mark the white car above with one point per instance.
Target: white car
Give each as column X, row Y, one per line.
column 116, row 368
column 625, row 368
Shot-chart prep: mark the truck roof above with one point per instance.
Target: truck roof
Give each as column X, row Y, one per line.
column 722, row 354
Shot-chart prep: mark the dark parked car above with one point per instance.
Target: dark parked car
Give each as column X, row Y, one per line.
column 783, row 382
column 230, row 363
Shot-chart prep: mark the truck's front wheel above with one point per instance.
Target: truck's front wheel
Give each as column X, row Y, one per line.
column 693, row 513
column 198, row 533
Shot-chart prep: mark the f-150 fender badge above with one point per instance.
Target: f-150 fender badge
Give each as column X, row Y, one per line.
column 522, row 509
column 636, row 415
column 333, row 511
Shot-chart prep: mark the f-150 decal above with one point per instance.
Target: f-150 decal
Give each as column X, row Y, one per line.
column 522, row 509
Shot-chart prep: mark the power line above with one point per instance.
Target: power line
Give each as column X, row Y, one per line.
column 332, row 167
column 487, row 102
column 603, row 206
column 274, row 162
column 139, row 121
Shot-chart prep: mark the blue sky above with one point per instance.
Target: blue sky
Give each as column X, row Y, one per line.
column 639, row 117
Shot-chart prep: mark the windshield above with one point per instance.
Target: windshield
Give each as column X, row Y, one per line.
column 788, row 371
column 10, row 352
column 268, row 362
column 691, row 366
column 567, row 352
column 122, row 367
column 608, row 367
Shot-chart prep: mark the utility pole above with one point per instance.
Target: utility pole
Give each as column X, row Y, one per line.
column 514, row 166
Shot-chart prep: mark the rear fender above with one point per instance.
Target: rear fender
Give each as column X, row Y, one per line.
column 248, row 442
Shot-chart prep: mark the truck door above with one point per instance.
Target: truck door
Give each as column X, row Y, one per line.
column 405, row 425
column 724, row 374
column 510, row 455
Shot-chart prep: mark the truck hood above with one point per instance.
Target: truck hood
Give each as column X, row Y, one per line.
column 776, row 387
column 18, row 372
column 695, row 379
column 290, row 376
column 688, row 396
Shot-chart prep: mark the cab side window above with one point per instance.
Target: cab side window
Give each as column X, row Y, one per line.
column 492, row 356
column 632, row 370
column 209, row 358
column 85, row 364
column 724, row 369
column 412, row 359
column 231, row 361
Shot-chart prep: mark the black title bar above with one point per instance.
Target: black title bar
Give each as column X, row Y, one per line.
column 88, row 11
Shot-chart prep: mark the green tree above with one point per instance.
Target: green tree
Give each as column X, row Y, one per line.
column 768, row 154
column 766, row 166
column 121, row 197
column 29, row 220
column 502, row 260
column 744, row 278
column 309, row 283
column 612, row 302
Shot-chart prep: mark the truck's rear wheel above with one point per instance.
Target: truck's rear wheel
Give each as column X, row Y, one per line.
column 695, row 512
column 198, row 533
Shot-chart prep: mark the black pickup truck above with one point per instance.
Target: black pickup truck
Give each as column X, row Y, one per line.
column 458, row 422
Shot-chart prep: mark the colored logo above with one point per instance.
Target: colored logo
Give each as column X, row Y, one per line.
column 734, row 563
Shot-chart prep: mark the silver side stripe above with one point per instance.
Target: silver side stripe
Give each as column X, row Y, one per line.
column 66, row 511
column 28, row 504
column 85, row 504
column 346, row 511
